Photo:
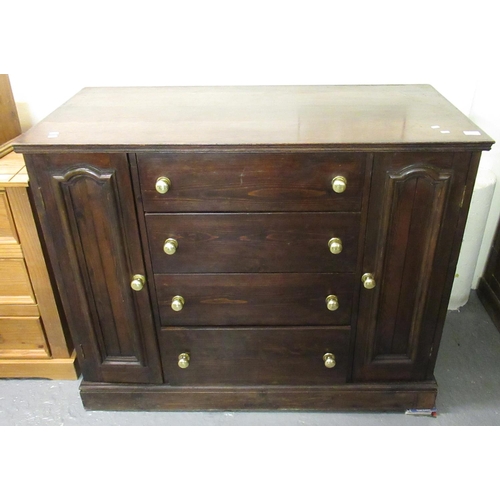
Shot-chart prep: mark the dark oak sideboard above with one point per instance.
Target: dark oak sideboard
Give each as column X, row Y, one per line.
column 227, row 248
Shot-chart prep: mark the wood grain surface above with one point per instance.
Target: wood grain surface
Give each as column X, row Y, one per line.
column 230, row 182
column 414, row 208
column 22, row 338
column 60, row 343
column 246, row 356
column 15, row 285
column 354, row 116
column 339, row 397
column 252, row 243
column 255, row 299
column 90, row 225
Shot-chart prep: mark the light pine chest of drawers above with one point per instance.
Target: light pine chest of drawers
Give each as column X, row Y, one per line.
column 33, row 340
column 229, row 248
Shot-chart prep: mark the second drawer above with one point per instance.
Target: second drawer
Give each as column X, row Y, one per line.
column 281, row 242
column 254, row 299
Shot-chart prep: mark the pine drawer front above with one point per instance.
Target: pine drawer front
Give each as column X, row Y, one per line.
column 15, row 285
column 240, row 356
column 22, row 337
column 251, row 243
column 254, row 299
column 9, row 239
column 251, row 182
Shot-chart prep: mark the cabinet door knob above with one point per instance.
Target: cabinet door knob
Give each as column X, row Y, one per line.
column 177, row 303
column 335, row 245
column 332, row 302
column 329, row 360
column 163, row 184
column 138, row 282
column 339, row 184
column 170, row 246
column 183, row 360
column 368, row 281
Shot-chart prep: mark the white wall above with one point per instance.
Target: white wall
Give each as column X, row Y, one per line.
column 57, row 47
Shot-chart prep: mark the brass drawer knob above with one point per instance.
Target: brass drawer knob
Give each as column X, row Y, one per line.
column 368, row 281
column 183, row 360
column 138, row 282
column 339, row 184
column 170, row 246
column 329, row 360
column 335, row 245
column 177, row 303
column 163, row 184
column 332, row 302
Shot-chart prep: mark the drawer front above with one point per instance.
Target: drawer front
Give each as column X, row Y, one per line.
column 251, row 182
column 8, row 233
column 254, row 355
column 15, row 285
column 22, row 337
column 9, row 239
column 254, row 299
column 252, row 243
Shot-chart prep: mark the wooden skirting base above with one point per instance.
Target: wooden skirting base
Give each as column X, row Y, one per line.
column 348, row 397
column 54, row 369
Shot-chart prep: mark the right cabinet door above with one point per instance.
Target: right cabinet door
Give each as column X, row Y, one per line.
column 411, row 251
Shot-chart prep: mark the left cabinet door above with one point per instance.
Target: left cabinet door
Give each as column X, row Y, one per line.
column 87, row 212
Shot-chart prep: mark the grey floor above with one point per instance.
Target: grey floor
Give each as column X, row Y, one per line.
column 467, row 371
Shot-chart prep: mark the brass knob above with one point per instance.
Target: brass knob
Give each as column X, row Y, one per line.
column 183, row 360
column 138, row 282
column 335, row 245
column 163, row 184
column 329, row 360
column 332, row 302
column 170, row 246
column 339, row 184
column 368, row 281
column 177, row 303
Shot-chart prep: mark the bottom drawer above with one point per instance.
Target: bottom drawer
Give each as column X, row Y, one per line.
column 22, row 338
column 254, row 356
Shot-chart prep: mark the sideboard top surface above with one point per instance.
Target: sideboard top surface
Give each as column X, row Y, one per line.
column 362, row 116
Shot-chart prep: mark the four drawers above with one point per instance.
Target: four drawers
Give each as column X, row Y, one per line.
column 247, row 284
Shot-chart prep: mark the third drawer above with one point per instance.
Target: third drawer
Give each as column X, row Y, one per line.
column 254, row 299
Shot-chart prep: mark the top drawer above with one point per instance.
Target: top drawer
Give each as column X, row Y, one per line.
column 234, row 182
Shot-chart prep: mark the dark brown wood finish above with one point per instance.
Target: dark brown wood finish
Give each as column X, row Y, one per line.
column 255, row 299
column 88, row 217
column 252, row 209
column 230, row 182
column 407, row 249
column 249, row 356
column 342, row 117
column 341, row 397
column 253, row 243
